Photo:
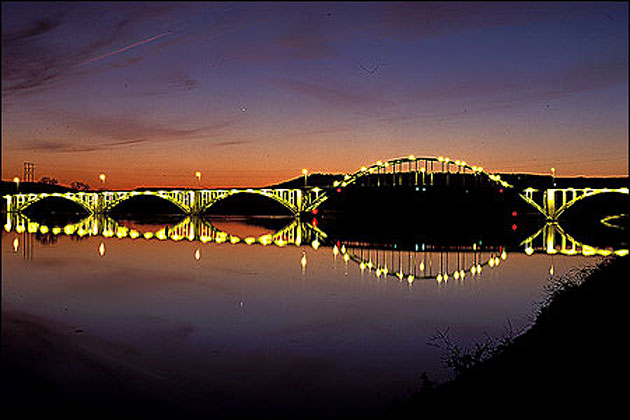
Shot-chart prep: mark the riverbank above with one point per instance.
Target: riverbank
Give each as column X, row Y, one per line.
column 572, row 359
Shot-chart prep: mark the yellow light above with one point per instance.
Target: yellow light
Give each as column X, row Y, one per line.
column 43, row 229
column 198, row 175
column 445, row 276
column 422, row 266
column 622, row 252
column 411, row 157
column 102, row 178
column 410, row 279
column 379, row 163
column 343, row 249
column 346, row 257
column 303, row 260
column 363, row 169
column 197, row 254
column 250, row 240
column 335, row 251
column 503, row 255
column 16, row 244
column 462, row 274
column 441, row 159
column 148, row 235
column 101, row 249
column 315, row 244
column 529, row 250
column 422, row 170
column 133, row 234
column 456, row 275
column 16, row 180
column 439, row 278
column 491, row 262
column 68, row 230
column 304, row 171
column 473, row 270
column 362, row 266
column 234, row 239
column 56, row 230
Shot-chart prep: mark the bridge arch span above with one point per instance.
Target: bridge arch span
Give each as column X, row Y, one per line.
column 577, row 195
column 289, row 199
column 179, row 198
column 422, row 165
column 22, row 202
column 182, row 199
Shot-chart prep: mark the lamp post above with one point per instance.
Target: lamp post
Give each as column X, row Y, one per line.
column 553, row 176
column 305, row 172
column 198, row 176
column 103, row 179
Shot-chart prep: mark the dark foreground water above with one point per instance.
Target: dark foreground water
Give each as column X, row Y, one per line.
column 256, row 326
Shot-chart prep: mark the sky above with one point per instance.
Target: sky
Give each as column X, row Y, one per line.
column 250, row 94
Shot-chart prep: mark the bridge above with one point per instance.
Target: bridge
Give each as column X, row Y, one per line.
column 408, row 171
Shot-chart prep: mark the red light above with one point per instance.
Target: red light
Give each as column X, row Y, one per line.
column 513, row 227
column 314, row 223
column 338, row 190
column 514, row 213
column 501, row 190
column 314, row 211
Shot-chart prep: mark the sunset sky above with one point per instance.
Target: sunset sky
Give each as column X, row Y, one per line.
column 250, row 94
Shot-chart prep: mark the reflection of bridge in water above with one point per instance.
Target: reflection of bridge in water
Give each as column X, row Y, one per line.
column 190, row 228
column 423, row 261
column 408, row 171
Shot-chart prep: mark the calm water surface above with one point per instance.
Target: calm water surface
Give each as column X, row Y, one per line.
column 259, row 330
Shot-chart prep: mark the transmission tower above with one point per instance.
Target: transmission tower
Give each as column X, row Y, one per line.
column 29, row 172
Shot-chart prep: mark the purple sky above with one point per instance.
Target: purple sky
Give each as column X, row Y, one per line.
column 249, row 94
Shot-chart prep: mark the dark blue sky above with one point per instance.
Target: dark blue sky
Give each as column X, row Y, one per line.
column 251, row 93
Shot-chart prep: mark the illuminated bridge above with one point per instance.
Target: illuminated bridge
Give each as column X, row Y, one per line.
column 405, row 171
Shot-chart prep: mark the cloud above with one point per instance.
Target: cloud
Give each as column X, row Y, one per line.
column 61, row 147
column 40, row 51
column 124, row 132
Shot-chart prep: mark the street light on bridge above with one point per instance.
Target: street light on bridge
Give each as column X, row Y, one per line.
column 553, row 176
column 305, row 172
column 102, row 178
column 198, row 176
column 17, row 184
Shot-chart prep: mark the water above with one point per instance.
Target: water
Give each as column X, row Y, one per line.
column 257, row 330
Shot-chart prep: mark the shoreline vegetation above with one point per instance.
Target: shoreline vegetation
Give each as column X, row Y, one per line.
column 571, row 360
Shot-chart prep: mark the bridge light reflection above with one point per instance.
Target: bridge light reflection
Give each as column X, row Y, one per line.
column 197, row 254
column 303, row 260
column 101, row 249
column 16, row 244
